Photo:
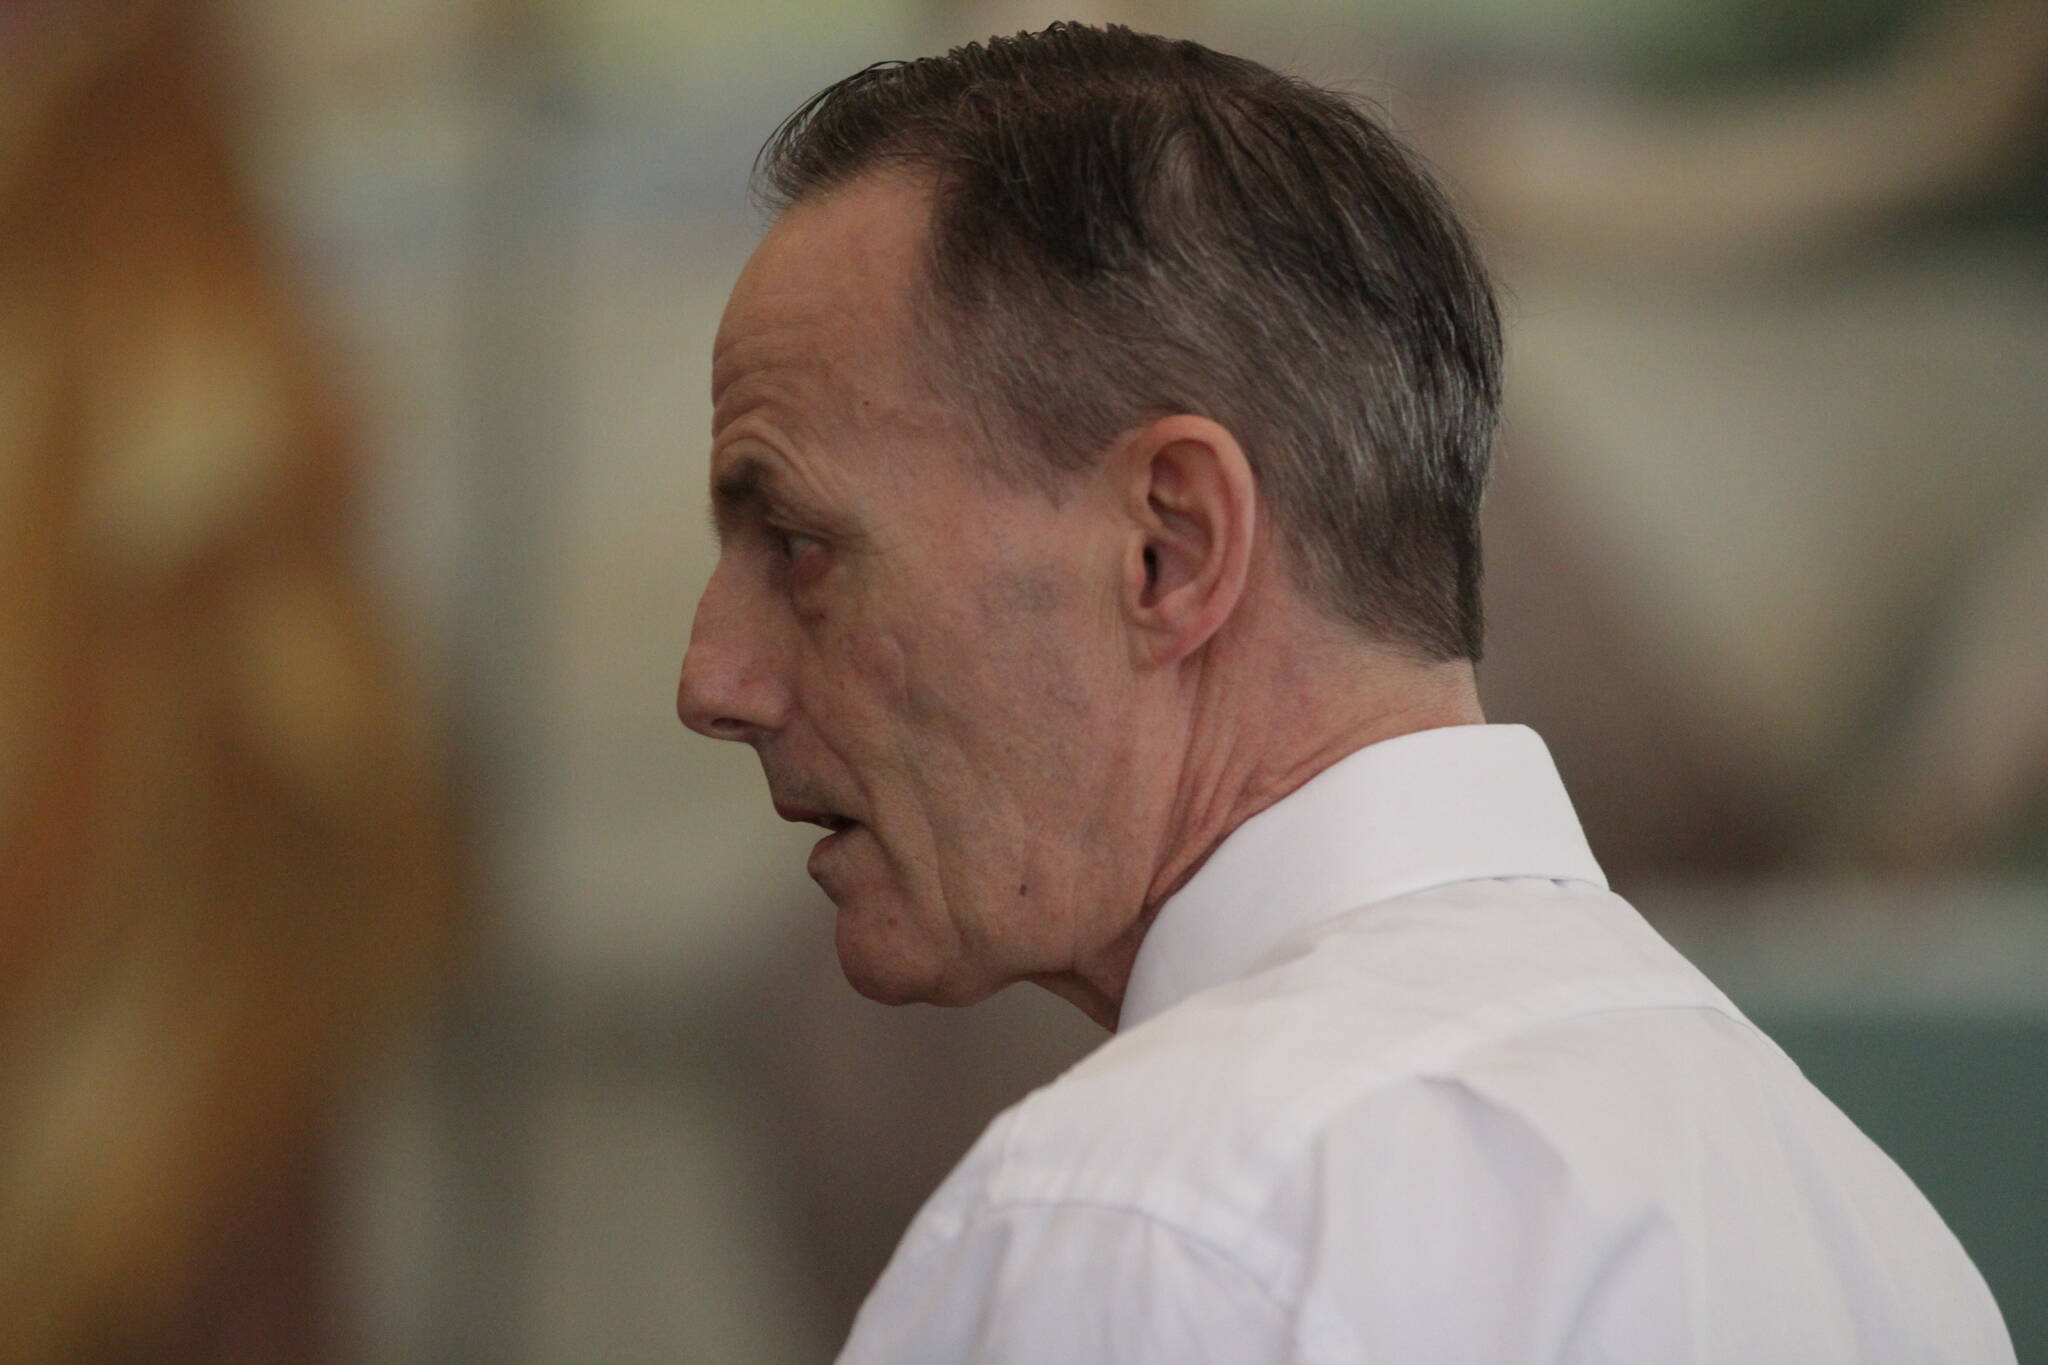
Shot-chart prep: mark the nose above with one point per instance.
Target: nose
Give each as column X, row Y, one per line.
column 730, row 687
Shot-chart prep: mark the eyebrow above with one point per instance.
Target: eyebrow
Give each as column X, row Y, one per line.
column 752, row 488
column 745, row 488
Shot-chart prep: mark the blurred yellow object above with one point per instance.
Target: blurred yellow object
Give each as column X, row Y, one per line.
column 227, row 863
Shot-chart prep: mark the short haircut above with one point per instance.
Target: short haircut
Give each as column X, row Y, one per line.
column 1125, row 227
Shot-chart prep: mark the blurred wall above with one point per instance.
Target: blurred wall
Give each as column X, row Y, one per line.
column 229, row 868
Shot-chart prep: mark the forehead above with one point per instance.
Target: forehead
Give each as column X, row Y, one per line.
column 824, row 303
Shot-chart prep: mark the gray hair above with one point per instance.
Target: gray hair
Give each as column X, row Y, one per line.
column 1126, row 227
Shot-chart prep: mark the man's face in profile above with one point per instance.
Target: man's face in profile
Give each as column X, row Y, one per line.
column 924, row 661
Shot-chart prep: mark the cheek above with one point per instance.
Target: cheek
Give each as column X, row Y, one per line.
column 881, row 659
column 860, row 679
column 970, row 710
column 859, row 691
column 885, row 654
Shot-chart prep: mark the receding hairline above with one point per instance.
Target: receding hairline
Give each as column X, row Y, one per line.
column 897, row 239
column 926, row 314
column 1070, row 291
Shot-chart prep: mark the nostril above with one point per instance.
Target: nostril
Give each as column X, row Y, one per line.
column 724, row 695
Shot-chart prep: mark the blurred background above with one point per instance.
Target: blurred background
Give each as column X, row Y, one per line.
column 385, row 976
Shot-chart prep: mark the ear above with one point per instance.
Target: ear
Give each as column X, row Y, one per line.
column 1192, row 507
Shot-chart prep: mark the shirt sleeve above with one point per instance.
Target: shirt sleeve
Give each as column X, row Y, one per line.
column 1079, row 1284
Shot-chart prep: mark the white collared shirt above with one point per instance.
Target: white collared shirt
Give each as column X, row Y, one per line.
column 1398, row 1080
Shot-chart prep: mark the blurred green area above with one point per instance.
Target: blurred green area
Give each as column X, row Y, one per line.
column 1961, row 1104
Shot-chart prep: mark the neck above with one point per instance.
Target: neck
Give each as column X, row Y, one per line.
column 1217, row 801
column 1246, row 749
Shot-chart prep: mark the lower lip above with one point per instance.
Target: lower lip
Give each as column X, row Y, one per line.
column 835, row 837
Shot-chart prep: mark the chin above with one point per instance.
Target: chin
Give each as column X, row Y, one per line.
column 876, row 956
column 890, row 983
column 886, row 964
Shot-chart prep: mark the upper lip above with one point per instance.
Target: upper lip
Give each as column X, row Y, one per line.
column 804, row 815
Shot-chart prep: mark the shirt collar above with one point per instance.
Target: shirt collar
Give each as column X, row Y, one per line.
column 1426, row 809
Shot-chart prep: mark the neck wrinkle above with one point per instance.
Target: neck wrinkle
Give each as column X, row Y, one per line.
column 1256, row 790
column 1253, row 775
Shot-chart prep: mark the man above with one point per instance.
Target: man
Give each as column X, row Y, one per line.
column 1099, row 439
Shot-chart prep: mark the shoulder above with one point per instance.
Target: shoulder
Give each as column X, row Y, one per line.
column 1513, row 1113
column 1201, row 1114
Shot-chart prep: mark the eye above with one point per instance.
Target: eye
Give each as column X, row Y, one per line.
column 793, row 545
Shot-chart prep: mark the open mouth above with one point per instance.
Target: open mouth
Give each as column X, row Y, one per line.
column 824, row 819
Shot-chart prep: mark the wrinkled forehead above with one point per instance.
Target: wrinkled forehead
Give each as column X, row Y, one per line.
column 828, row 292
